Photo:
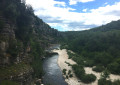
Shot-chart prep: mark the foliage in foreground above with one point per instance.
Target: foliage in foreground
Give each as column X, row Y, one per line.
column 98, row 68
column 8, row 82
column 37, row 51
column 108, row 82
column 88, row 78
column 64, row 71
column 80, row 73
column 104, row 82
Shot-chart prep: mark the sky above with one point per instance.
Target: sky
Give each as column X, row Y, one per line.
column 76, row 15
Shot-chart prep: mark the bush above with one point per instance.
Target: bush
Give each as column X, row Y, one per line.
column 103, row 58
column 8, row 82
column 68, row 63
column 105, row 74
column 88, row 78
column 1, row 24
column 98, row 68
column 89, row 63
column 70, row 55
column 37, row 67
column 63, row 46
column 66, row 76
column 69, row 72
column 103, row 81
column 71, row 75
column 116, row 82
column 114, row 68
column 64, row 71
column 79, row 71
column 78, row 59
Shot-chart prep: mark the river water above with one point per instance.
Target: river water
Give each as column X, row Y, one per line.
column 53, row 74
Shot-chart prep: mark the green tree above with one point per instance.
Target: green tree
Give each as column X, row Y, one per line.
column 64, row 71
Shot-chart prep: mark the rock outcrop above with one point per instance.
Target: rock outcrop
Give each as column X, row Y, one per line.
column 23, row 36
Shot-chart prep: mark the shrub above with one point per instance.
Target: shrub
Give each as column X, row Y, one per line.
column 103, row 81
column 79, row 71
column 98, row 68
column 78, row 59
column 116, row 82
column 8, row 82
column 69, row 72
column 64, row 71
column 37, row 67
column 114, row 68
column 70, row 55
column 1, row 24
column 89, row 63
column 88, row 78
column 71, row 75
column 105, row 74
column 66, row 76
column 68, row 63
column 103, row 58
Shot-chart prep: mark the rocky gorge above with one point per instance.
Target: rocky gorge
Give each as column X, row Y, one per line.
column 23, row 40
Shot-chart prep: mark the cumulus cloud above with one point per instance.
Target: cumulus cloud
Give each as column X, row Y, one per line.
column 73, row 2
column 58, row 15
column 105, row 3
column 44, row 3
column 85, row 10
column 105, row 14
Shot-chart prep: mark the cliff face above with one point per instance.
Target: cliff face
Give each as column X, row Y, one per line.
column 23, row 39
column 6, row 35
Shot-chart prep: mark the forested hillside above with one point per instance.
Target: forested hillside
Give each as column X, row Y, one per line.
column 98, row 47
column 23, row 40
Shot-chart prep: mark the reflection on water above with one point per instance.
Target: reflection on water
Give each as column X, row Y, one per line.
column 53, row 74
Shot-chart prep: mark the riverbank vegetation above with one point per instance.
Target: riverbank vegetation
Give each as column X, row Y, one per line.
column 80, row 73
column 67, row 73
column 8, row 82
column 97, row 48
column 79, row 69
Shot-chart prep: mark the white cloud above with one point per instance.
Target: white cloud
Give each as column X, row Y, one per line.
column 44, row 3
column 105, row 3
column 73, row 2
column 104, row 15
column 62, row 17
column 85, row 10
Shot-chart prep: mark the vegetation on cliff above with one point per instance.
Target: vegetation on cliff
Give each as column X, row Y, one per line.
column 23, row 40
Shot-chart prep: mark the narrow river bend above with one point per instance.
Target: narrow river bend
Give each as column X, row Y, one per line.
column 53, row 74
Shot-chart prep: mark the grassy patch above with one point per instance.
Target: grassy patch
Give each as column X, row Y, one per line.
column 13, row 70
column 8, row 82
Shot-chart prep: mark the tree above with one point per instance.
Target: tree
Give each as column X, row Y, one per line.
column 88, row 78
column 105, row 74
column 64, row 71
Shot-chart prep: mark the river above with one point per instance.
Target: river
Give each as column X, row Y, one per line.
column 53, row 74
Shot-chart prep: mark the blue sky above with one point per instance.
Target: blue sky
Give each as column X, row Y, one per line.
column 73, row 15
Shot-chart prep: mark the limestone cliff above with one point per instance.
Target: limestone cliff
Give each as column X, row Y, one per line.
column 23, row 39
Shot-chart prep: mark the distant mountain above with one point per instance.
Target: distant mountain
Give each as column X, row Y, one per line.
column 114, row 25
column 99, row 46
